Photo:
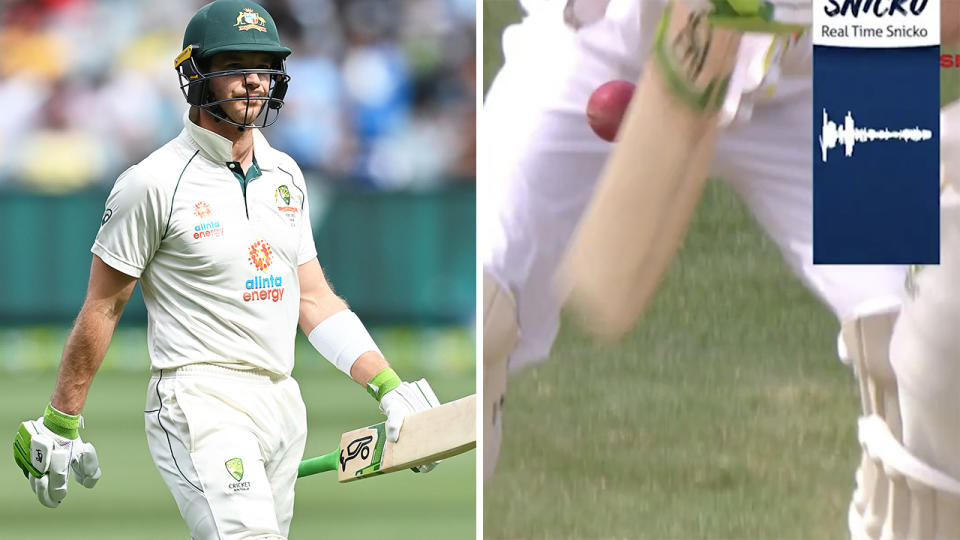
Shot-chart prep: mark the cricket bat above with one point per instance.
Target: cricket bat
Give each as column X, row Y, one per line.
column 437, row 433
column 651, row 183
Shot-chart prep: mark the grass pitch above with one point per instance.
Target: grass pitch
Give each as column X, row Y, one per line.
column 725, row 414
column 131, row 500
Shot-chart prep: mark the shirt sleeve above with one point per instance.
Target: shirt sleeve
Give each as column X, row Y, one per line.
column 308, row 248
column 132, row 223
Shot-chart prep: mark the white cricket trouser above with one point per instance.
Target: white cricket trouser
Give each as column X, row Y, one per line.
column 227, row 443
column 542, row 162
column 909, row 477
column 925, row 352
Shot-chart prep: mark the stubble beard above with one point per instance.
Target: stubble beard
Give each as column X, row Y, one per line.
column 240, row 113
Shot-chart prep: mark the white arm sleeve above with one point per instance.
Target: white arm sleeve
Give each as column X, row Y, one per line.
column 341, row 338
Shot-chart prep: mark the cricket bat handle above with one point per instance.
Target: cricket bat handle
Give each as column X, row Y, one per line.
column 324, row 463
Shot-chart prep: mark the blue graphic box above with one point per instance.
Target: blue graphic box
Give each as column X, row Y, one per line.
column 879, row 205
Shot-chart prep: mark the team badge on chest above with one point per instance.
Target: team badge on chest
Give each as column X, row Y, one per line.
column 284, row 200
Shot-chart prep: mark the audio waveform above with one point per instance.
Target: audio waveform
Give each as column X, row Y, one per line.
column 848, row 134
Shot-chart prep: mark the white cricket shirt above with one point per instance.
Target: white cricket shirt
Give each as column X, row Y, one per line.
column 216, row 252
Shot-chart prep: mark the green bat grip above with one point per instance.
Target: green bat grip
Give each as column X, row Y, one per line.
column 324, row 463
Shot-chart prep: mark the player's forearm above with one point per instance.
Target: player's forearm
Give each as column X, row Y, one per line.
column 315, row 311
column 367, row 365
column 339, row 335
column 317, row 308
column 345, row 343
column 335, row 331
column 83, row 354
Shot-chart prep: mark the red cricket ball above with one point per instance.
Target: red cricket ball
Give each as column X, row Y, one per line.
column 606, row 107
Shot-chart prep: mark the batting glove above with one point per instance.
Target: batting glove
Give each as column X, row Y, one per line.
column 401, row 399
column 47, row 447
column 764, row 16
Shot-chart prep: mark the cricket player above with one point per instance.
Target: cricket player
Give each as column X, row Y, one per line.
column 215, row 227
column 923, row 355
column 544, row 161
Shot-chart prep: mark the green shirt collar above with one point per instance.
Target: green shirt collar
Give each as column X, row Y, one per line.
column 253, row 171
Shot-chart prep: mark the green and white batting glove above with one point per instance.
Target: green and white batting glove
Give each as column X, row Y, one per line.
column 764, row 16
column 398, row 399
column 47, row 447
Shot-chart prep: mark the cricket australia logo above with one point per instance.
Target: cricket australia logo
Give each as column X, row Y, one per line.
column 260, row 255
column 235, row 468
column 283, row 192
column 249, row 19
column 283, row 199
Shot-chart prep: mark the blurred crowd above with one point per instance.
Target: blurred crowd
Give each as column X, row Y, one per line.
column 382, row 92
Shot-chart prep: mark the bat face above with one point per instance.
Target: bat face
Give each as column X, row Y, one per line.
column 652, row 180
column 427, row 436
column 361, row 452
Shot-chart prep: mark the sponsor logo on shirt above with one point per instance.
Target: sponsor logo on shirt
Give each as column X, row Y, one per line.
column 202, row 209
column 207, row 228
column 262, row 287
column 261, row 255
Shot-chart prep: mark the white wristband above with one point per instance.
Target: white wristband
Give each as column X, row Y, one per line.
column 341, row 338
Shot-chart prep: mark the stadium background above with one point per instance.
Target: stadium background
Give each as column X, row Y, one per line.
column 380, row 116
column 726, row 414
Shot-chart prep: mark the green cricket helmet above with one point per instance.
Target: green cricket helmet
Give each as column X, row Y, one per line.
column 225, row 26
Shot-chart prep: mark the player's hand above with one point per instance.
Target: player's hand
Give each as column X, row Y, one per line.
column 406, row 399
column 765, row 16
column 46, row 448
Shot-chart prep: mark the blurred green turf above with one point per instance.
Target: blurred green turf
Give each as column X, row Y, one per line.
column 131, row 500
column 725, row 414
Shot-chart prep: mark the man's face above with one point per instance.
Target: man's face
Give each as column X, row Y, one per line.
column 238, row 86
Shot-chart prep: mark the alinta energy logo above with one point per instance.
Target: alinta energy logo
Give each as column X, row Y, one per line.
column 207, row 227
column 261, row 255
column 262, row 287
